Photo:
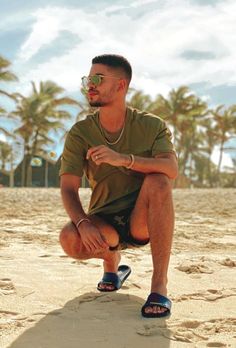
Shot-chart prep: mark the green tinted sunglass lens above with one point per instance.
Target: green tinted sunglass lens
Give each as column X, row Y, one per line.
column 96, row 79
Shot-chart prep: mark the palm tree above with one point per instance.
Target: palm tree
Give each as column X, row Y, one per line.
column 5, row 76
column 183, row 110
column 140, row 101
column 209, row 141
column 39, row 114
column 225, row 128
column 180, row 106
column 5, row 154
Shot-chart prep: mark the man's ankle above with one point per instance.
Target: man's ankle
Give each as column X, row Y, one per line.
column 159, row 285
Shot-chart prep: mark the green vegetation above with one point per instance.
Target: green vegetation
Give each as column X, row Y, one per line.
column 196, row 129
column 5, row 76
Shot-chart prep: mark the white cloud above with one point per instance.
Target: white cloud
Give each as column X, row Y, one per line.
column 45, row 30
column 138, row 3
column 153, row 43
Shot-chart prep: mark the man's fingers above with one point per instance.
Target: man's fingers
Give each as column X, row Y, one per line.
column 96, row 244
column 101, row 243
column 94, row 151
column 92, row 154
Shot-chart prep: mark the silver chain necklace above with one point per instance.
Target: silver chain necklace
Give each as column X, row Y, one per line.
column 113, row 142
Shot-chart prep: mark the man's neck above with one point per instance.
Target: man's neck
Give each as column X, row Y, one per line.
column 112, row 118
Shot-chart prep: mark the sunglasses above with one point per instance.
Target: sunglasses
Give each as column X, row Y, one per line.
column 95, row 80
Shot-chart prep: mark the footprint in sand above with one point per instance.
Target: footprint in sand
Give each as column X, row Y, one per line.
column 228, row 262
column 6, row 287
column 194, row 268
column 153, row 330
column 216, row 344
column 6, row 319
column 194, row 331
column 135, row 285
column 12, row 320
column 208, row 295
column 133, row 257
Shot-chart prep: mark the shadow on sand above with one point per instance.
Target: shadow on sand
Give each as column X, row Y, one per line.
column 98, row 320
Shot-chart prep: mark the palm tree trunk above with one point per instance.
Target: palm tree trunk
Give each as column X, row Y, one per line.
column 209, row 175
column 46, row 173
column 12, row 172
column 28, row 167
column 23, row 168
column 23, row 172
column 30, row 157
column 221, row 157
column 220, row 162
column 29, row 174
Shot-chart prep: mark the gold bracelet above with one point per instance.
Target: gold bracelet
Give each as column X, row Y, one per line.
column 80, row 221
column 132, row 162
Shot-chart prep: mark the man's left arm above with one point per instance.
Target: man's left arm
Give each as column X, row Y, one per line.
column 165, row 163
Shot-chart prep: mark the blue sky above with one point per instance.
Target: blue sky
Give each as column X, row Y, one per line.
column 168, row 42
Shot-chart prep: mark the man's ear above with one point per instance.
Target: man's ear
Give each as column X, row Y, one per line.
column 122, row 85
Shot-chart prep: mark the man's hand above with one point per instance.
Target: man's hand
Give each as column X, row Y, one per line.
column 92, row 238
column 103, row 154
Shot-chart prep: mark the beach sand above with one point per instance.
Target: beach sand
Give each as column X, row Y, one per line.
column 48, row 300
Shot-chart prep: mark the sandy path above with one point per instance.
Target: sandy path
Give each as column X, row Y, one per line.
column 48, row 300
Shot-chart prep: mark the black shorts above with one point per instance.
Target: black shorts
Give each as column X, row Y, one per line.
column 121, row 222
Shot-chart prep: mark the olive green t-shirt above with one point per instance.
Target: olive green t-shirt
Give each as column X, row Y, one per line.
column 114, row 188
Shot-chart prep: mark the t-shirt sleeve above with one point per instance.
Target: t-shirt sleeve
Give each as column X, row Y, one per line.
column 73, row 156
column 162, row 142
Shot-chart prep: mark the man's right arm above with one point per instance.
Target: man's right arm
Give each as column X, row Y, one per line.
column 90, row 235
column 70, row 185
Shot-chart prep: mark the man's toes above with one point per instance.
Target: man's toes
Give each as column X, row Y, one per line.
column 161, row 309
column 148, row 310
column 155, row 310
column 106, row 287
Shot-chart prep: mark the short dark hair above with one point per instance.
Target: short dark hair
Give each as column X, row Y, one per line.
column 115, row 61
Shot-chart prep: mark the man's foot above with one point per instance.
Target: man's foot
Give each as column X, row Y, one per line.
column 110, row 264
column 154, row 302
column 114, row 280
column 161, row 290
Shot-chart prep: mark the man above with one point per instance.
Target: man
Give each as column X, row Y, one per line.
column 129, row 161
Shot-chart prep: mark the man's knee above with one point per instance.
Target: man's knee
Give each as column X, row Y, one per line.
column 157, row 183
column 66, row 233
column 70, row 240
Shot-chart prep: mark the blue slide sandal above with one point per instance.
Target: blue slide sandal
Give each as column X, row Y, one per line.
column 115, row 279
column 155, row 299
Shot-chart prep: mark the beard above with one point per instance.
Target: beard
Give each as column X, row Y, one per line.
column 101, row 100
column 97, row 104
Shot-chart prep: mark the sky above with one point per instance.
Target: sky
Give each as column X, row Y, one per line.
column 168, row 43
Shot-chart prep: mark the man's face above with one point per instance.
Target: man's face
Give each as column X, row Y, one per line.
column 106, row 92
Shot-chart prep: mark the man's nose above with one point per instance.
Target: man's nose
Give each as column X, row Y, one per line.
column 91, row 84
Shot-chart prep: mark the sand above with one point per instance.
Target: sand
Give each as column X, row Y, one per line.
column 48, row 300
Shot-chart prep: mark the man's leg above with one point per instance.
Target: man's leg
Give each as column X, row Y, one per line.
column 153, row 217
column 71, row 243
